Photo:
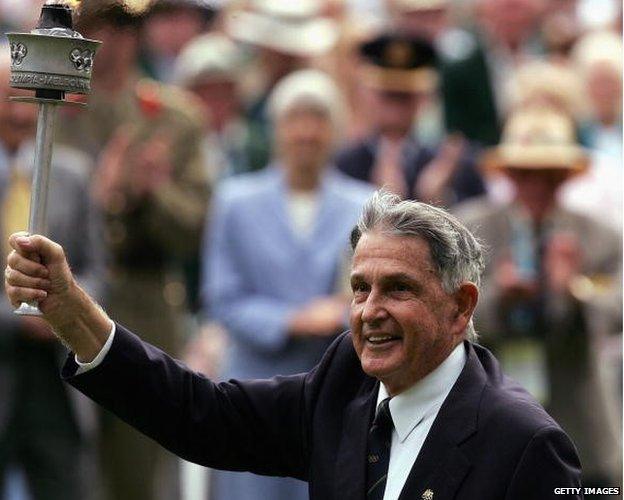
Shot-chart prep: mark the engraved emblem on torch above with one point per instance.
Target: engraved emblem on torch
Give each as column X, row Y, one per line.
column 82, row 59
column 18, row 53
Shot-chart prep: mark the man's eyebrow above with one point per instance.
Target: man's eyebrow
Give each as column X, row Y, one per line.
column 399, row 277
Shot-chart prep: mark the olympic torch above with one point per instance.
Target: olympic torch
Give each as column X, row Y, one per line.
column 53, row 60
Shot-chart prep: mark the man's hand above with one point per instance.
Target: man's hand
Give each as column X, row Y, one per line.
column 511, row 284
column 109, row 175
column 37, row 271
column 435, row 179
column 152, row 165
column 562, row 262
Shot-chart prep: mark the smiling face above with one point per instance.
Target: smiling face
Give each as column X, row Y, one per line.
column 403, row 323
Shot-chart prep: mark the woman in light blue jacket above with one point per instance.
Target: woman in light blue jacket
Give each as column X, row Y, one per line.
column 275, row 247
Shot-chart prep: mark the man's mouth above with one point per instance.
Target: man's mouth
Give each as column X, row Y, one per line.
column 381, row 339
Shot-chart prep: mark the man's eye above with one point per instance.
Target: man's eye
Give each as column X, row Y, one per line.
column 360, row 287
column 401, row 287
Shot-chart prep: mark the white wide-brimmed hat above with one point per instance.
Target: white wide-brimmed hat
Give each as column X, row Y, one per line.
column 210, row 57
column 290, row 26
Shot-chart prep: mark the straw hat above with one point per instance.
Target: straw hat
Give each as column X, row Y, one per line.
column 291, row 27
column 399, row 63
column 538, row 139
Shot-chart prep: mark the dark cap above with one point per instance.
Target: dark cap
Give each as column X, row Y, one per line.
column 397, row 62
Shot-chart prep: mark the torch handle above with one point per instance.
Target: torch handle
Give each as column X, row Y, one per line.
column 37, row 222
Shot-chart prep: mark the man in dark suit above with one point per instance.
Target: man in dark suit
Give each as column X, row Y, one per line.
column 404, row 406
column 477, row 66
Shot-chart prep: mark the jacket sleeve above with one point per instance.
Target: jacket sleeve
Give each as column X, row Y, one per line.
column 260, row 426
column 258, row 320
column 549, row 461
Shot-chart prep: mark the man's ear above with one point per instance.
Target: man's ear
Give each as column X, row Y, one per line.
column 466, row 298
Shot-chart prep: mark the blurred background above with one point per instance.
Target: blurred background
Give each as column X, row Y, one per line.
column 206, row 195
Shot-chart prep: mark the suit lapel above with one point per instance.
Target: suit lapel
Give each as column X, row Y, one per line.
column 441, row 464
column 350, row 471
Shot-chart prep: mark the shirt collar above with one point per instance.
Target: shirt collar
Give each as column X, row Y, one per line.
column 410, row 407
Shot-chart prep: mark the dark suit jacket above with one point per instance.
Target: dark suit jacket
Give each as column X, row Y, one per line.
column 490, row 440
column 357, row 160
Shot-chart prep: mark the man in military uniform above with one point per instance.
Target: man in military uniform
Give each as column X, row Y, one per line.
column 399, row 72
column 151, row 183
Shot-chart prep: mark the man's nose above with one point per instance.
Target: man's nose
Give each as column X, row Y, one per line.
column 374, row 308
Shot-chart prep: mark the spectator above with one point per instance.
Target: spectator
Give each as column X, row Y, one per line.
column 540, row 84
column 46, row 429
column 275, row 247
column 151, row 184
column 287, row 36
column 169, row 26
column 599, row 60
column 552, row 289
column 343, row 64
column 477, row 66
column 560, row 28
column 399, row 73
column 598, row 190
column 210, row 67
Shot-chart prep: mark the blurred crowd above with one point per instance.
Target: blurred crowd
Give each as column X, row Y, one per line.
column 206, row 195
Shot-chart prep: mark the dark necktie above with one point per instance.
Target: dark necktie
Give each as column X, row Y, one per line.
column 378, row 457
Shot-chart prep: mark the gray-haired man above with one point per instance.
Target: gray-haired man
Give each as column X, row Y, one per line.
column 404, row 406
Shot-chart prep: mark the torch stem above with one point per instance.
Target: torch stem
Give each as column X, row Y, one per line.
column 41, row 172
column 41, row 179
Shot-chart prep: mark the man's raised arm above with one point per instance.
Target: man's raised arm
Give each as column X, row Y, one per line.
column 257, row 426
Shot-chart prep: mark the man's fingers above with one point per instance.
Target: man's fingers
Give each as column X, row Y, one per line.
column 13, row 239
column 36, row 244
column 17, row 278
column 17, row 295
column 26, row 266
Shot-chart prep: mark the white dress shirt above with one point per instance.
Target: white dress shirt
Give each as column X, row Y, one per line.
column 85, row 367
column 413, row 413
